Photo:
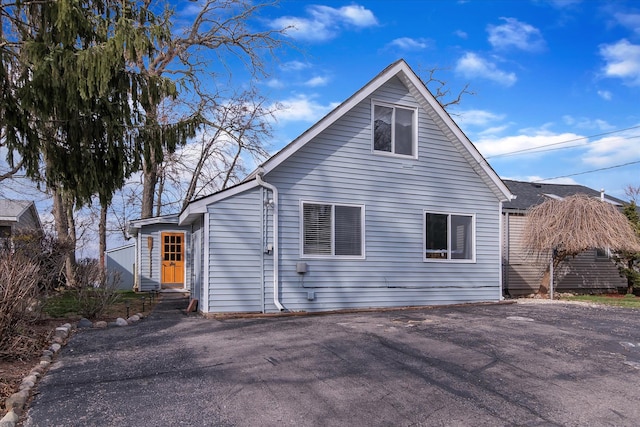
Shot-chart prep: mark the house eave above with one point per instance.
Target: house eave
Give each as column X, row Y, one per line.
column 197, row 208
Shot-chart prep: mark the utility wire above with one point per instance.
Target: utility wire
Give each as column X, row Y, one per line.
column 589, row 171
column 536, row 149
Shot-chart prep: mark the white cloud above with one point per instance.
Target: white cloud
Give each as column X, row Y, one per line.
column 605, row 94
column 586, row 123
column 294, row 66
column 477, row 118
column 612, row 150
column 407, row 43
column 461, row 34
column 275, row 84
column 317, row 81
column 490, row 146
column 629, row 20
column 324, row 22
column 622, row 61
column 302, row 108
column 515, row 34
column 472, row 66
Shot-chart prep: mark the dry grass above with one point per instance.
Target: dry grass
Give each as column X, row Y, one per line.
column 575, row 224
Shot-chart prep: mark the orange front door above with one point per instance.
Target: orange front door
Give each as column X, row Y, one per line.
column 172, row 260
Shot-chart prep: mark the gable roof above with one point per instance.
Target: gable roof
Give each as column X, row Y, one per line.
column 14, row 210
column 530, row 194
column 426, row 100
column 135, row 225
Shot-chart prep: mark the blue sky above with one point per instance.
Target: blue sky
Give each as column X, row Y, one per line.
column 561, row 72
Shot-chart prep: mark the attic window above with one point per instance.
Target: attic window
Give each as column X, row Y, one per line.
column 394, row 129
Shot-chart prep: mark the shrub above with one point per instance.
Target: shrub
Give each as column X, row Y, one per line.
column 19, row 305
column 94, row 293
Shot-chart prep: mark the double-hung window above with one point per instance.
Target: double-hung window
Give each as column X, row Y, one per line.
column 332, row 230
column 394, row 129
column 449, row 237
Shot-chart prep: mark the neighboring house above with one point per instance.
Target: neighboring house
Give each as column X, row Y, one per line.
column 591, row 271
column 122, row 261
column 382, row 203
column 17, row 216
column 162, row 246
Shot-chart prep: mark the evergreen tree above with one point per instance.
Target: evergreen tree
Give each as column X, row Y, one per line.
column 629, row 262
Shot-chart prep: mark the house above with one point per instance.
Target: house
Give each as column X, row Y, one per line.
column 591, row 271
column 382, row 203
column 17, row 216
column 161, row 248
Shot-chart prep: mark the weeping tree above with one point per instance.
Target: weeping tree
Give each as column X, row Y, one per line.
column 559, row 229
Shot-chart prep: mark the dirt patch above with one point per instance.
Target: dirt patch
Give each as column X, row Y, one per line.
column 13, row 371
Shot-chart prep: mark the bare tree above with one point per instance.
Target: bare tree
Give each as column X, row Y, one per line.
column 441, row 89
column 564, row 228
column 219, row 32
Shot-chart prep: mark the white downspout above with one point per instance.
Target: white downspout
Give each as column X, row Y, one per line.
column 276, row 267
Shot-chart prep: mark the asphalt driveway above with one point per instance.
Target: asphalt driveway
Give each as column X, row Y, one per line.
column 510, row 364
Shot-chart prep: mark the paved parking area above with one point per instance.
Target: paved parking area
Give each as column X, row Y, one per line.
column 509, row 364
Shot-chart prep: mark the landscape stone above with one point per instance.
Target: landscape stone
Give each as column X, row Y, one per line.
column 47, row 353
column 140, row 315
column 62, row 332
column 9, row 420
column 55, row 347
column 120, row 322
column 16, row 400
column 85, row 323
column 100, row 324
column 133, row 319
column 47, row 358
column 44, row 363
column 57, row 339
column 67, row 325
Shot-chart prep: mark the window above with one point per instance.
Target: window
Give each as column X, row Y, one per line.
column 603, row 253
column 332, row 230
column 394, row 130
column 449, row 237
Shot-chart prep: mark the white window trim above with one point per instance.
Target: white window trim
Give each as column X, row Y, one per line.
column 448, row 259
column 333, row 230
column 414, row 130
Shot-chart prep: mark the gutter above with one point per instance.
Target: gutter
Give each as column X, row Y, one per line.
column 276, row 267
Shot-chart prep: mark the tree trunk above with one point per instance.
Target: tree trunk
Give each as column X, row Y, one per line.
column 630, row 277
column 65, row 229
column 150, row 177
column 102, row 232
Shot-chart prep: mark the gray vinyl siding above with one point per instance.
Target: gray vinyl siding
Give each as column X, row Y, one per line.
column 235, row 253
column 151, row 262
column 338, row 166
column 523, row 272
column 587, row 273
column 121, row 261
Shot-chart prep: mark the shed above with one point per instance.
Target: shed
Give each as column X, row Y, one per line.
column 122, row 261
